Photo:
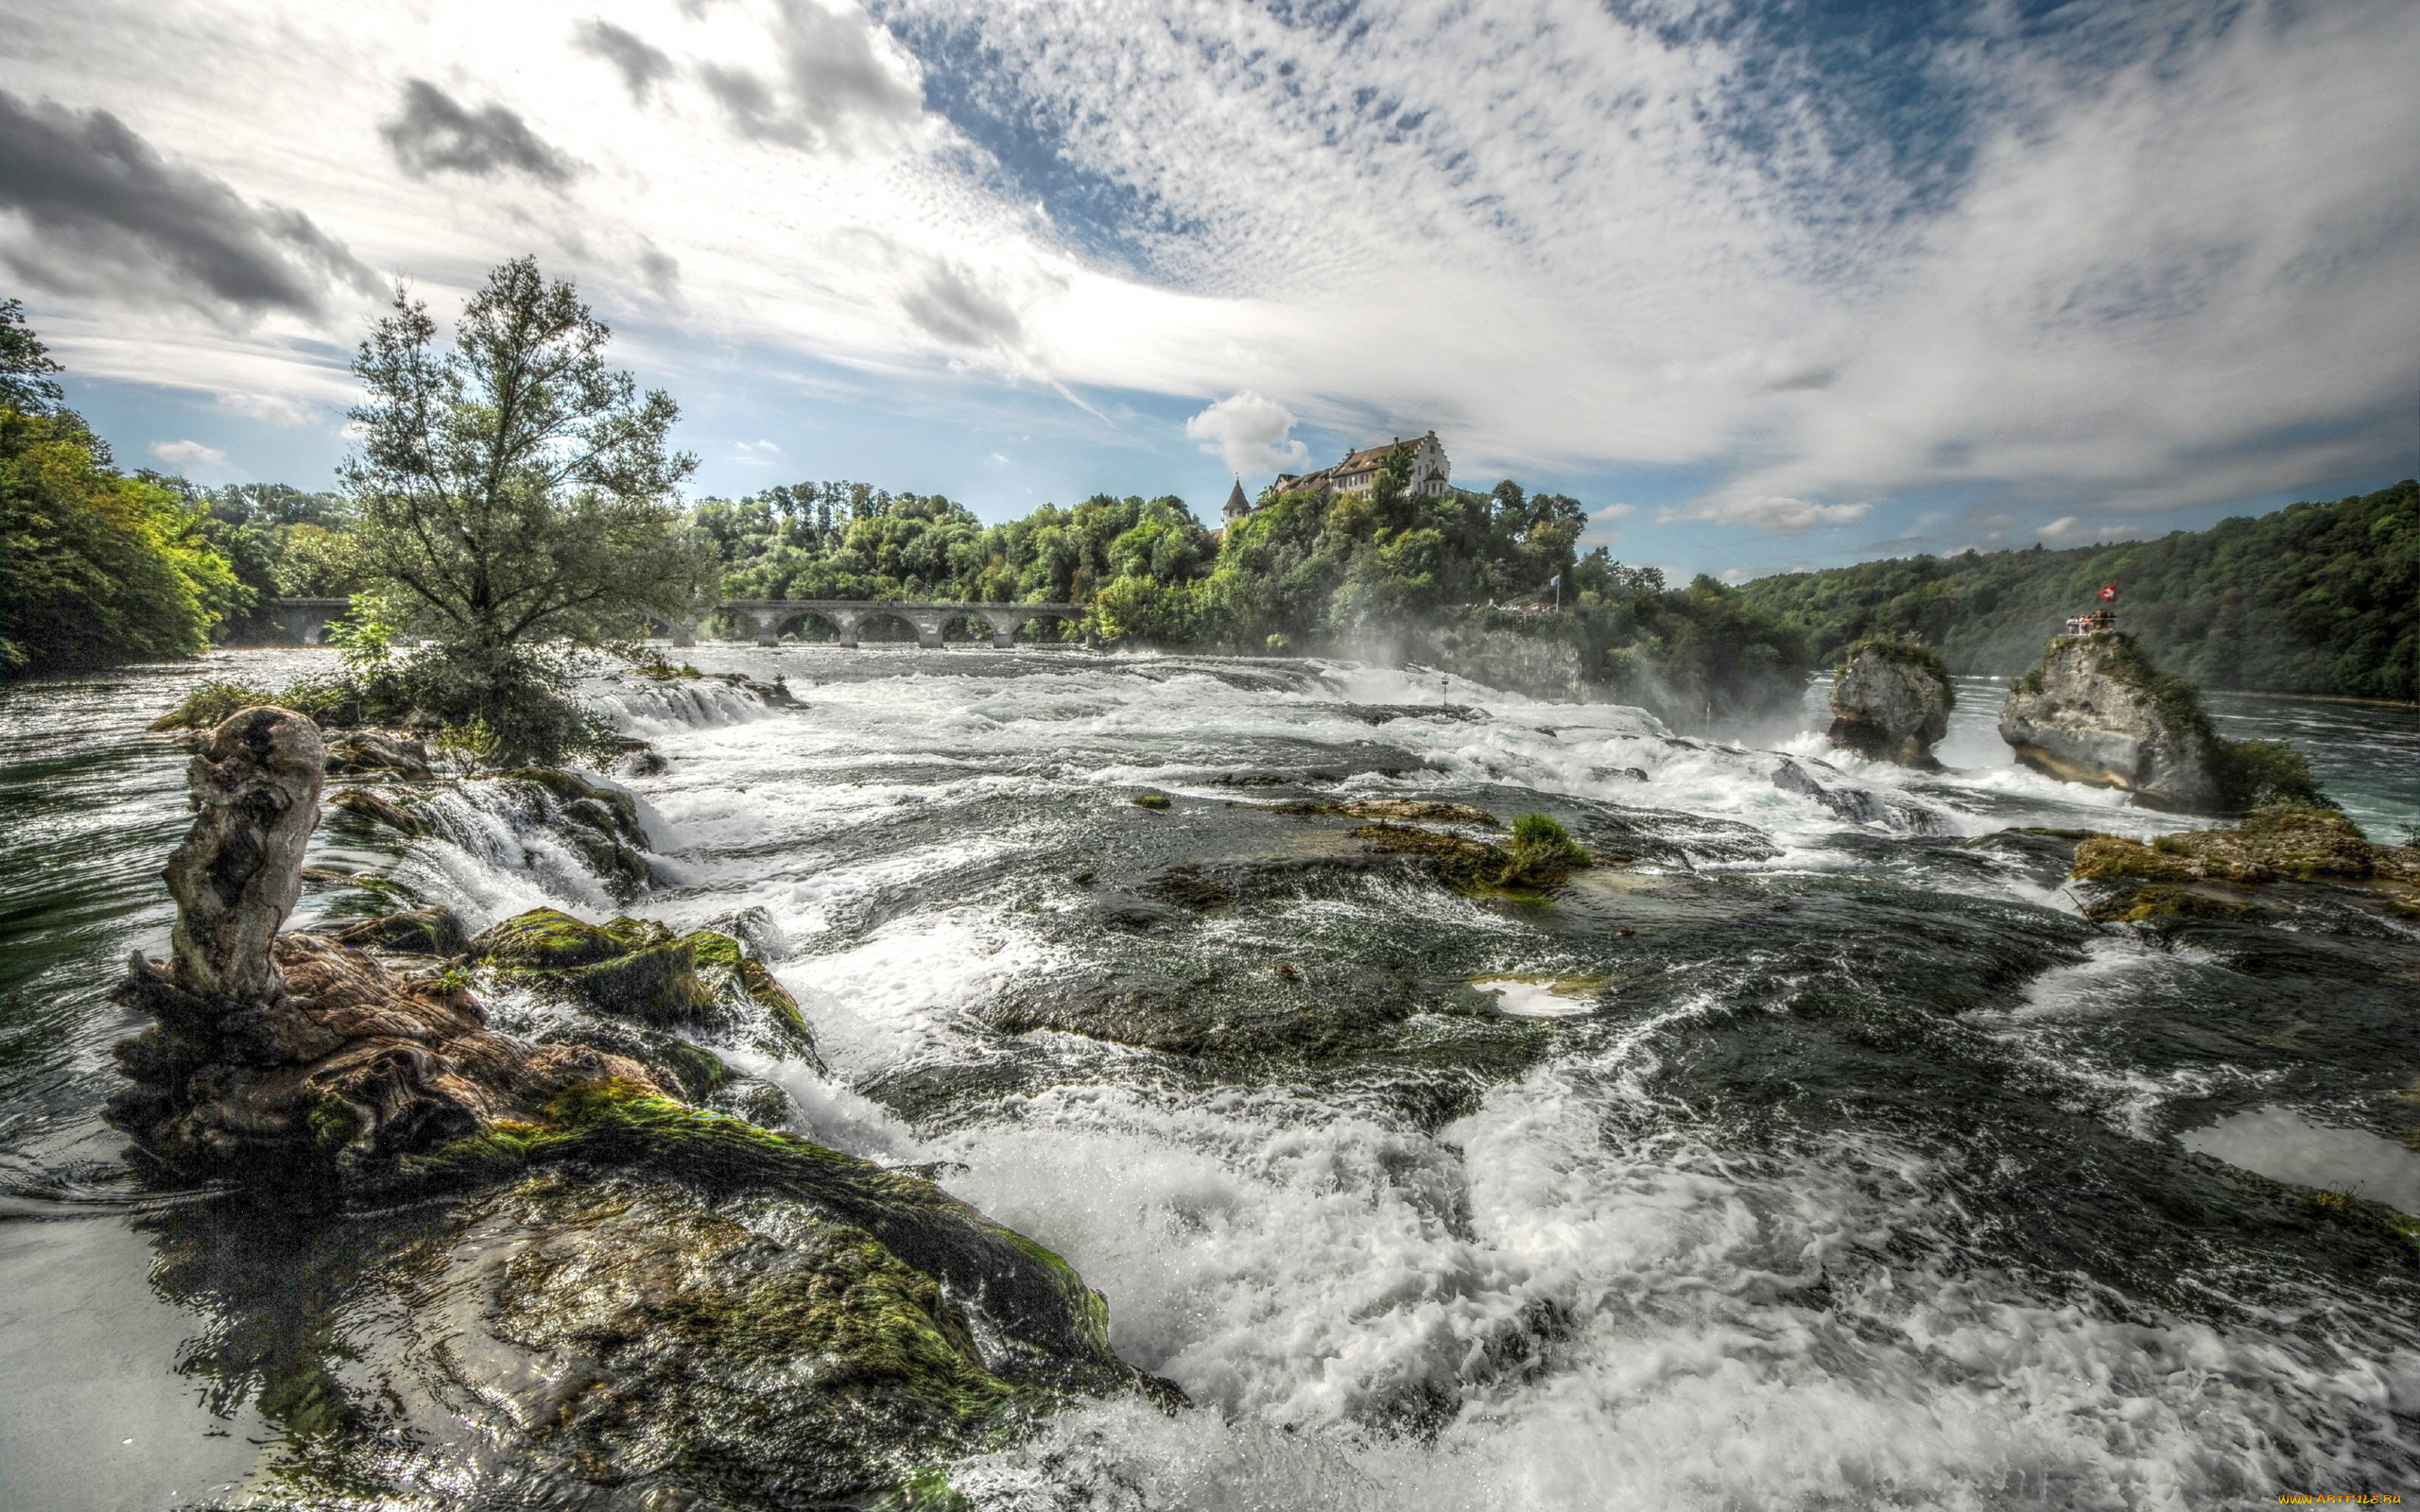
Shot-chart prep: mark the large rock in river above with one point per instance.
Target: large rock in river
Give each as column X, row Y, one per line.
column 601, row 1297
column 2098, row 712
column 1891, row 701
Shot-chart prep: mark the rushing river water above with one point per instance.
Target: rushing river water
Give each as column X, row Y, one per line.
column 1814, row 1159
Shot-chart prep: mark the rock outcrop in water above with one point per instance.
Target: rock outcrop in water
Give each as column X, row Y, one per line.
column 618, row 1292
column 1891, row 701
column 289, row 1050
column 2097, row 711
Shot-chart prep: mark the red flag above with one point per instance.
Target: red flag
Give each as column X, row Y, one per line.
column 2109, row 594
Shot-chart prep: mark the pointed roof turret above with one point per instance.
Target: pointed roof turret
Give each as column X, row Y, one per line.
column 1238, row 505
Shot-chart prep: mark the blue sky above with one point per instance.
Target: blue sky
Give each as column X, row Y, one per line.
column 1765, row 285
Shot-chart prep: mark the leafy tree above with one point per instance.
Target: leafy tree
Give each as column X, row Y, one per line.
column 2315, row 598
column 514, row 498
column 95, row 568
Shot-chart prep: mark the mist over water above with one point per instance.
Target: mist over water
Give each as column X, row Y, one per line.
column 1812, row 1158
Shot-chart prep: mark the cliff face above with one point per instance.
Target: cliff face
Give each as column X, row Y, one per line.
column 1537, row 666
column 1892, row 702
column 2097, row 711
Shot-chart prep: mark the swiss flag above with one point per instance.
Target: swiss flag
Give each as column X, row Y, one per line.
column 2109, row 594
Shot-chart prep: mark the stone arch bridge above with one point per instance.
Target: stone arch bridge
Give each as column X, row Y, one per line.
column 845, row 615
column 307, row 619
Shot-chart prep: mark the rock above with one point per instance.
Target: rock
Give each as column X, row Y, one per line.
column 1541, row 855
column 1891, row 701
column 2097, row 711
column 1432, row 810
column 345, row 1067
column 2274, row 845
column 599, row 821
column 411, row 932
column 239, row 870
column 357, row 751
column 630, row 1305
column 642, row 763
column 378, row 809
column 638, row 969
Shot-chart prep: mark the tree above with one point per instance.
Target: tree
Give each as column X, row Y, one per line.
column 95, row 567
column 513, row 498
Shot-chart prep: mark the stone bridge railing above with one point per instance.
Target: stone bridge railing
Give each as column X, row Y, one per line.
column 307, row 619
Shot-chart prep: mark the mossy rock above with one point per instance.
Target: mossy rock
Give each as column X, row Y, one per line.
column 1541, row 857
column 1053, row 1330
column 2156, row 903
column 728, row 1358
column 1412, row 810
column 2298, row 844
column 640, row 971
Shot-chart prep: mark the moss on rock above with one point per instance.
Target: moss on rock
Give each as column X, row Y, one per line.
column 1541, row 855
column 1055, row 1330
column 2294, row 844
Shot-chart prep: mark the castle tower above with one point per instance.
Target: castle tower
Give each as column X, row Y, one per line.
column 1237, row 505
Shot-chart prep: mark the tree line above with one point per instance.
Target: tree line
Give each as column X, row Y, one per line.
column 2316, row 598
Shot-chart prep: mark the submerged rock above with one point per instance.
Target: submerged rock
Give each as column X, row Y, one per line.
column 1891, row 701
column 2098, row 712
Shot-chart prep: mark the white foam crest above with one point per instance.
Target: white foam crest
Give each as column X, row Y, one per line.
column 901, row 995
column 648, row 709
column 502, row 857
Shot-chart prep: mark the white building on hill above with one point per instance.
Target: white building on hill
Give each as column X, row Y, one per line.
column 1430, row 472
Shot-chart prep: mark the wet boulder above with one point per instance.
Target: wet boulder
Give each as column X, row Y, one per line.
column 600, row 821
column 2098, row 712
column 377, row 808
column 357, row 752
column 1891, row 701
column 408, row 931
column 641, row 971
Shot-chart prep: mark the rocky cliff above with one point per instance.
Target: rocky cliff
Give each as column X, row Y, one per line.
column 1891, row 701
column 2097, row 711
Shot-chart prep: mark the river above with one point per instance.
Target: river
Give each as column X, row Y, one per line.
column 1812, row 1160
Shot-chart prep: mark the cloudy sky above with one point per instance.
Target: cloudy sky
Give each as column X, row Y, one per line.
column 1767, row 283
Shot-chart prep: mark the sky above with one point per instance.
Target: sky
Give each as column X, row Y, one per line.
column 1768, row 285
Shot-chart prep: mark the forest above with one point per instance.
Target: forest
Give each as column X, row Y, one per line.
column 105, row 566
column 2316, row 598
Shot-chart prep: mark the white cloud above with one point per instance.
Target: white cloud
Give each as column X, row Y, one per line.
column 273, row 410
column 188, row 454
column 2070, row 530
column 2158, row 285
column 1765, row 511
column 1614, row 511
column 757, row 448
column 1250, row 434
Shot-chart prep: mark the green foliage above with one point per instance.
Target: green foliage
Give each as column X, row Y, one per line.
column 97, row 568
column 2320, row 598
column 1542, row 854
column 1905, row 653
column 515, row 497
column 2257, row 774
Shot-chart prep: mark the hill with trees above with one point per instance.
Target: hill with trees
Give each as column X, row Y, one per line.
column 2316, row 598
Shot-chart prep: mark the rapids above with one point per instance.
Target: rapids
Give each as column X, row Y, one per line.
column 1814, row 1159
